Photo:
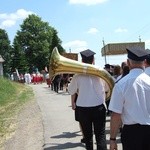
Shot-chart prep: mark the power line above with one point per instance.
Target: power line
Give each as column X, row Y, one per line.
column 141, row 31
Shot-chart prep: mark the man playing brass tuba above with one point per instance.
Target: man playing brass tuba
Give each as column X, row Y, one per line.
column 90, row 104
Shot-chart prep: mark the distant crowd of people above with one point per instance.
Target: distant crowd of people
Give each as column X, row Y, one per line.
column 28, row 78
column 117, row 71
column 59, row 82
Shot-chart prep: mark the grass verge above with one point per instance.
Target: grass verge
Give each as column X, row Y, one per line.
column 13, row 96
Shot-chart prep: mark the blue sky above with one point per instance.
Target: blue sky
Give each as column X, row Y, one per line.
column 83, row 24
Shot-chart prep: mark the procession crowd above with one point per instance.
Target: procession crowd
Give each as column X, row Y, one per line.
column 129, row 104
column 28, row 78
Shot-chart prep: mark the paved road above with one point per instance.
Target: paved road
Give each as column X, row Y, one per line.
column 61, row 131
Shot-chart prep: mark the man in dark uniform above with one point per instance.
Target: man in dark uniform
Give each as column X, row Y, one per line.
column 90, row 104
column 130, row 105
column 56, row 83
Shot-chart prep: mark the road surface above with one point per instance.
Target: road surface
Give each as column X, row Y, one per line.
column 61, row 131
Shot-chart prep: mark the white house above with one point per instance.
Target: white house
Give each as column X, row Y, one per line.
column 1, row 65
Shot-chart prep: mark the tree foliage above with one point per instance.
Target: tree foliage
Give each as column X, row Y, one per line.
column 34, row 43
column 5, row 50
column 19, row 60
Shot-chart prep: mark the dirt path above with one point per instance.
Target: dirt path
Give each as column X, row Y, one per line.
column 29, row 134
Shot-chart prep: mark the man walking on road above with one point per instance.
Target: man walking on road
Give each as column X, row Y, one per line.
column 90, row 104
column 130, row 104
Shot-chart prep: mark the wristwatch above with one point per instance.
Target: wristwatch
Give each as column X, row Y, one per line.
column 113, row 139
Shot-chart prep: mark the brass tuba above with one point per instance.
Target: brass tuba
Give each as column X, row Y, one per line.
column 59, row 64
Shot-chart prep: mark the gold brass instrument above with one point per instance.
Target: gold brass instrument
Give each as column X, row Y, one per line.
column 61, row 65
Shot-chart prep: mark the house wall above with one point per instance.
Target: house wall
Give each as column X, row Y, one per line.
column 1, row 69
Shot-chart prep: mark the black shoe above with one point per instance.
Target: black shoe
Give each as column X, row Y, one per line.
column 83, row 140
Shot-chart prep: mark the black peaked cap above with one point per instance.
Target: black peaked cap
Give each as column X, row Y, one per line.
column 87, row 53
column 136, row 53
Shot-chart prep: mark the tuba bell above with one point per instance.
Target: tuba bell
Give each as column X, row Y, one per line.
column 60, row 65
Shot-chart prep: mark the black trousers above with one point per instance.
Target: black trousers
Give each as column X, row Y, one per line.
column 93, row 119
column 56, row 86
column 136, row 137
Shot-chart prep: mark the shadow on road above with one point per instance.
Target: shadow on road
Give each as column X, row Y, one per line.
column 67, row 135
column 67, row 145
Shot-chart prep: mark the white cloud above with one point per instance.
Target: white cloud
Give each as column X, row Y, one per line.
column 75, row 46
column 93, row 31
column 9, row 20
column 22, row 14
column 87, row 2
column 121, row 30
column 76, row 43
column 7, row 23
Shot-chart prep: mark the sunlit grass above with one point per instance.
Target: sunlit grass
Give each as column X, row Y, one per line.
column 12, row 97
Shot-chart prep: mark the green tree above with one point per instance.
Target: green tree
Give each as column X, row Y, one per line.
column 56, row 42
column 35, row 40
column 19, row 60
column 5, row 50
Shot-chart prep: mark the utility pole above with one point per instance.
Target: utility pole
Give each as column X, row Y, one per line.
column 104, row 51
column 69, row 50
column 139, row 38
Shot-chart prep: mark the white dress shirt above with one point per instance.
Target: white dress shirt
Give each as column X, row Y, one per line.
column 91, row 90
column 131, row 98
